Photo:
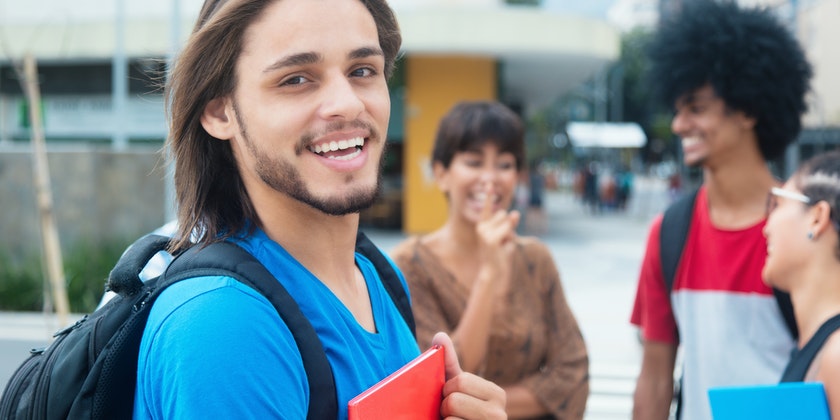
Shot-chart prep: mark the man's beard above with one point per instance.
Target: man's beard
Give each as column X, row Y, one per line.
column 283, row 177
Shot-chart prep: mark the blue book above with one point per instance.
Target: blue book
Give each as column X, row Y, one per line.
column 790, row 400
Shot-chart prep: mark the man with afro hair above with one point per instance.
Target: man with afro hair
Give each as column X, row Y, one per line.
column 736, row 79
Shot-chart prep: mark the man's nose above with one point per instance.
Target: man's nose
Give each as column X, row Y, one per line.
column 341, row 100
column 680, row 123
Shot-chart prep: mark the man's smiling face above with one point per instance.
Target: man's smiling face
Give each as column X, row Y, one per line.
column 311, row 104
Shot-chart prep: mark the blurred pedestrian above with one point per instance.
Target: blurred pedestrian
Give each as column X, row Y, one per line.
column 675, row 186
column 591, row 195
column 803, row 258
column 535, row 218
column 737, row 80
column 625, row 187
column 608, row 189
column 498, row 294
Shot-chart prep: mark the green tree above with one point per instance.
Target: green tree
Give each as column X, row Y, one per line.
column 638, row 104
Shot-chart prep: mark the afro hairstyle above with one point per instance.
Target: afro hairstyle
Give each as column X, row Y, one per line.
column 750, row 59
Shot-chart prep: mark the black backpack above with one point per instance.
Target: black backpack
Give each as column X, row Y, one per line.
column 90, row 369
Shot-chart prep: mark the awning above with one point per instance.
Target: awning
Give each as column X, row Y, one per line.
column 603, row 134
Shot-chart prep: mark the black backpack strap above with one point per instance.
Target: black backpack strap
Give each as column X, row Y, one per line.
column 786, row 307
column 673, row 232
column 224, row 258
column 124, row 278
column 672, row 236
column 390, row 278
column 801, row 360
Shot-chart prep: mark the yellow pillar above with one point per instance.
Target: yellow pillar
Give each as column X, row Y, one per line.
column 433, row 85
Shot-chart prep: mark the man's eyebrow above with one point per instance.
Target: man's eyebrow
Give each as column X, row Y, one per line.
column 294, row 60
column 365, row 52
column 302, row 59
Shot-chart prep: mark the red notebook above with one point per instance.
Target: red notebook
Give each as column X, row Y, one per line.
column 414, row 392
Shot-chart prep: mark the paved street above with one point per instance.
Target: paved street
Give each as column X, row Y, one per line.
column 598, row 256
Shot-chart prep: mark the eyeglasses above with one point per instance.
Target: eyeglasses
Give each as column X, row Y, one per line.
column 775, row 193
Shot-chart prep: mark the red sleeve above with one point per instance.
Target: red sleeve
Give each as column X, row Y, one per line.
column 652, row 308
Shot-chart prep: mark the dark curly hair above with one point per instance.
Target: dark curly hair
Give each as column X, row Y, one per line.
column 749, row 58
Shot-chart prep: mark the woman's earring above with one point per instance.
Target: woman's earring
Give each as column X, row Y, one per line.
column 811, row 235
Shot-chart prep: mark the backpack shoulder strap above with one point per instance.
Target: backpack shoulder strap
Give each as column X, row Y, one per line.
column 124, row 277
column 786, row 307
column 231, row 260
column 672, row 236
column 673, row 232
column 801, row 359
column 390, row 278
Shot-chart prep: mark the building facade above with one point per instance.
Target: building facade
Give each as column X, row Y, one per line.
column 101, row 66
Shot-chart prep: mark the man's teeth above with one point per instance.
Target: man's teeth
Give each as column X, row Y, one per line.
column 339, row 145
column 346, row 157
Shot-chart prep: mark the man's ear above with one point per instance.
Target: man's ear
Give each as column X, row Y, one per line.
column 748, row 121
column 218, row 119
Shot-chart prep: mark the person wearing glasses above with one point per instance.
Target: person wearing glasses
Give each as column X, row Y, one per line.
column 803, row 259
column 278, row 113
column 736, row 79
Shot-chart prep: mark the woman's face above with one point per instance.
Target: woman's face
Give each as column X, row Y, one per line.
column 471, row 173
column 788, row 245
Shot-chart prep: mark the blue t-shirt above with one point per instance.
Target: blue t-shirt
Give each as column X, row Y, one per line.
column 215, row 348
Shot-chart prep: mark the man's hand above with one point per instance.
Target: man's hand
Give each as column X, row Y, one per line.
column 467, row 396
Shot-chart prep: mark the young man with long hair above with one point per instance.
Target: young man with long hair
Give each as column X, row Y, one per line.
column 278, row 114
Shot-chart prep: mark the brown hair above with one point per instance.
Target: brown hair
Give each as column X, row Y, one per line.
column 212, row 201
column 472, row 124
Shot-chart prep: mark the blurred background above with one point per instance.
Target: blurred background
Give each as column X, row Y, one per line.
column 598, row 146
column 573, row 70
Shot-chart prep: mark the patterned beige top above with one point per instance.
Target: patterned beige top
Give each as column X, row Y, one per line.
column 535, row 341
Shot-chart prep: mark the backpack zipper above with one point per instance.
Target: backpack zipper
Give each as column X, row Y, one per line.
column 17, row 384
column 141, row 302
column 41, row 394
